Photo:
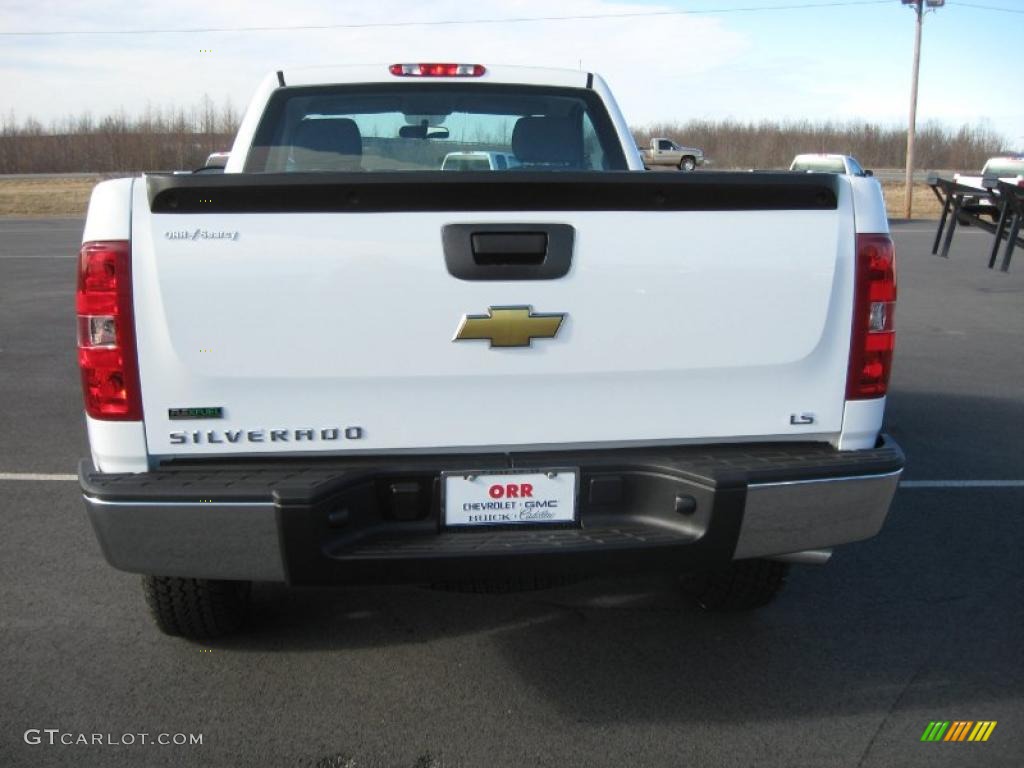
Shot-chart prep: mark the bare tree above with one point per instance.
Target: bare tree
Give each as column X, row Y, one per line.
column 177, row 137
column 169, row 138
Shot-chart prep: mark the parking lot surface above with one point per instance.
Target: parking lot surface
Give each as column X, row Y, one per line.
column 925, row 622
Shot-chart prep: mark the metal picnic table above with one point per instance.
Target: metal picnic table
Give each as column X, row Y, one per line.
column 962, row 202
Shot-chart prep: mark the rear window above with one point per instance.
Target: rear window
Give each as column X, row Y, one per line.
column 466, row 163
column 405, row 127
column 819, row 164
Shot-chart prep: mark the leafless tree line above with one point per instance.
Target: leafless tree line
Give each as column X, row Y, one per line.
column 168, row 138
column 175, row 138
column 768, row 144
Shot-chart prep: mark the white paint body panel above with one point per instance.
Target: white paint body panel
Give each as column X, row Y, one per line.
column 682, row 327
column 869, row 205
column 334, row 320
column 633, row 158
column 862, row 419
column 110, row 211
column 117, row 446
column 250, row 121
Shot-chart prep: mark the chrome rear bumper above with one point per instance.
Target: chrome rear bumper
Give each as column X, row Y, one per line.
column 672, row 508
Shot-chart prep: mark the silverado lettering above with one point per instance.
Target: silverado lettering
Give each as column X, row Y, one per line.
column 262, row 435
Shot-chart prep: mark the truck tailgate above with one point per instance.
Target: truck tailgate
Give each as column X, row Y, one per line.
column 329, row 326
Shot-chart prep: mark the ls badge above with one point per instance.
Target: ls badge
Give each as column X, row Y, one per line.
column 509, row 326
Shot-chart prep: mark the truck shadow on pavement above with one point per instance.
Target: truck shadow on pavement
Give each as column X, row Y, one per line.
column 886, row 623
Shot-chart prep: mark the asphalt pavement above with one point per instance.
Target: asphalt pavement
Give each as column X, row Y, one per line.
column 925, row 622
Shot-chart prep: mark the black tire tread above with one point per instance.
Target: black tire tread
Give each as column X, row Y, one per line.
column 197, row 609
column 741, row 586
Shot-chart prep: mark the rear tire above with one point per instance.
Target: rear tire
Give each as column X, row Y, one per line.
column 740, row 586
column 197, row 609
column 687, row 164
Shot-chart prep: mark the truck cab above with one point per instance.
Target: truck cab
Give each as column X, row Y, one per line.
column 828, row 163
column 479, row 161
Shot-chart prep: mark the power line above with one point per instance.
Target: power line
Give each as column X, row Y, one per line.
column 989, row 7
column 451, row 22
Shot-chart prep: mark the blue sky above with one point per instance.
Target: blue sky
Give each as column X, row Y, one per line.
column 837, row 63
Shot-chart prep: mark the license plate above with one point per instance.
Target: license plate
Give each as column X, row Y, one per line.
column 518, row 497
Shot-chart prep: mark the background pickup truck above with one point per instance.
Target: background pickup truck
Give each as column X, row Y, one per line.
column 336, row 363
column 478, row 161
column 666, row 152
column 1008, row 168
column 825, row 163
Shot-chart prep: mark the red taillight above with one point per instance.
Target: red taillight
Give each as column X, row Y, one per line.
column 106, row 332
column 437, row 70
column 874, row 303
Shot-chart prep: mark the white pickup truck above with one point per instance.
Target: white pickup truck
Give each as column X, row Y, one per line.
column 336, row 364
column 1008, row 168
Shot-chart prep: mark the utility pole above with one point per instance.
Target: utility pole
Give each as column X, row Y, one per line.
column 918, row 8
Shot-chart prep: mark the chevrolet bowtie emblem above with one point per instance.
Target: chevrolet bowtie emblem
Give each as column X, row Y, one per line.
column 509, row 326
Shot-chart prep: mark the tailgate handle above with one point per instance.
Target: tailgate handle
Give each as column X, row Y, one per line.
column 509, row 247
column 508, row 251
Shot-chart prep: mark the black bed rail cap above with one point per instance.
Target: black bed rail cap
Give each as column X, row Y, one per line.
column 425, row 191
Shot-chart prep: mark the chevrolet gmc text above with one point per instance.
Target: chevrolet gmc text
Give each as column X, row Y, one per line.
column 336, row 363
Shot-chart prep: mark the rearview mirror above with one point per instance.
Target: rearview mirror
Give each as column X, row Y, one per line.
column 422, row 131
column 413, row 131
